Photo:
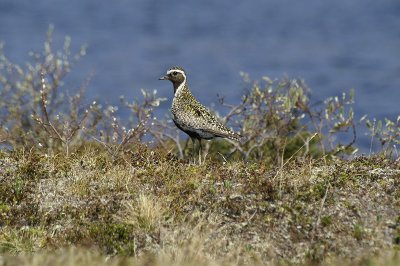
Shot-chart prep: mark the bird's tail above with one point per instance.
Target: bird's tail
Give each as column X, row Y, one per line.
column 229, row 134
column 234, row 136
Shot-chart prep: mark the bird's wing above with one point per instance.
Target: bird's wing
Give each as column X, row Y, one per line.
column 202, row 119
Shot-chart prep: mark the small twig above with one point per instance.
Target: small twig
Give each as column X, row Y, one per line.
column 252, row 216
column 350, row 143
column 232, row 112
column 223, row 157
column 158, row 135
column 288, row 160
column 103, row 143
column 43, row 97
column 319, row 214
column 372, row 137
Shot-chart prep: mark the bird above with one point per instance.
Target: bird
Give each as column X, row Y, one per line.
column 190, row 116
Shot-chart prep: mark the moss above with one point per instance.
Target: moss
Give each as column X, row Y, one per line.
column 114, row 238
column 326, row 220
column 396, row 237
column 359, row 231
column 26, row 239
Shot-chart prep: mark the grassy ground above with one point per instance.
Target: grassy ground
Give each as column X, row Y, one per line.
column 147, row 208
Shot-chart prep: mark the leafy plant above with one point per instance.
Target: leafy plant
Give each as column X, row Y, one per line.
column 278, row 120
column 115, row 134
column 388, row 134
column 36, row 112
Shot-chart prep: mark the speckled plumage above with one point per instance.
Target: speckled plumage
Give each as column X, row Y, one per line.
column 190, row 115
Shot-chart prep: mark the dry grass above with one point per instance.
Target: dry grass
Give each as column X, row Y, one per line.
column 84, row 257
column 148, row 208
column 144, row 213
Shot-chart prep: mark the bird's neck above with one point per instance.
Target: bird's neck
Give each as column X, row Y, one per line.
column 180, row 88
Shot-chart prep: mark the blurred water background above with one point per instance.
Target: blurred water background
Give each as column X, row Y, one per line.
column 333, row 45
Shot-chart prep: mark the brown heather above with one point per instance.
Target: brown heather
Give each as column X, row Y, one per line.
column 148, row 207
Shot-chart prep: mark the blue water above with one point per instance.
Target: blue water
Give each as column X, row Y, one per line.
column 333, row 45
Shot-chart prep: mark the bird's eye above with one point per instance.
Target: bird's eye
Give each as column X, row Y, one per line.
column 174, row 73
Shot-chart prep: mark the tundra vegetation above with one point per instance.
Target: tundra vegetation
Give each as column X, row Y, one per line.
column 81, row 185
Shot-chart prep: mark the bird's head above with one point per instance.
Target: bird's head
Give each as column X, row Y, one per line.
column 176, row 75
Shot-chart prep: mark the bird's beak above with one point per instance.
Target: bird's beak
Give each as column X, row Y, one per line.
column 164, row 78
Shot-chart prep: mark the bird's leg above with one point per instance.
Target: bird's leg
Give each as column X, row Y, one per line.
column 193, row 150
column 185, row 147
column 200, row 151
